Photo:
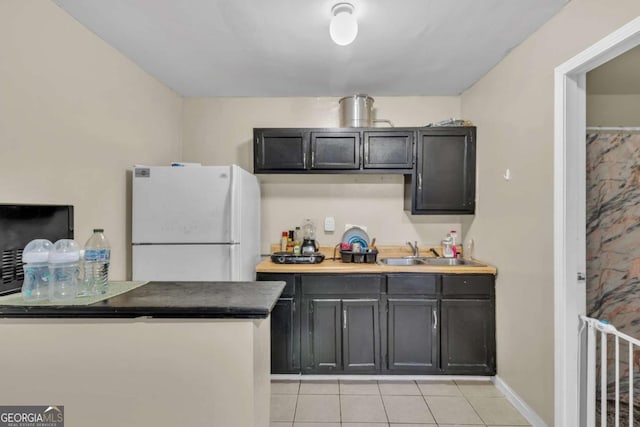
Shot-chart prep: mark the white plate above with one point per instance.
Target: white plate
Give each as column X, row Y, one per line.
column 356, row 234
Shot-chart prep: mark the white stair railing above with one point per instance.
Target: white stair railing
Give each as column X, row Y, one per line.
column 603, row 328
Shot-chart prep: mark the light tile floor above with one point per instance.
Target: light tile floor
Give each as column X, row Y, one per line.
column 352, row 403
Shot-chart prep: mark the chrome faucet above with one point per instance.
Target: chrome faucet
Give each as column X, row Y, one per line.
column 414, row 248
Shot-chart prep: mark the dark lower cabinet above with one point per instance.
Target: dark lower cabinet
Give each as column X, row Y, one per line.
column 285, row 324
column 340, row 335
column 360, row 335
column 285, row 357
column 374, row 323
column 324, row 352
column 468, row 336
column 412, row 335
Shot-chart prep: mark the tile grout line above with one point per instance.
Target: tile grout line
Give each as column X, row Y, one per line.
column 384, row 407
column 472, row 407
column 295, row 409
column 424, row 398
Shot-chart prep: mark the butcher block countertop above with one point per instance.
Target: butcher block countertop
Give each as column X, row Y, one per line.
column 337, row 266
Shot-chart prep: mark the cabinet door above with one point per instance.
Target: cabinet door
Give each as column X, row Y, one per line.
column 413, row 335
column 322, row 336
column 360, row 335
column 444, row 180
column 388, row 150
column 335, row 150
column 468, row 336
column 285, row 356
column 279, row 150
column 285, row 324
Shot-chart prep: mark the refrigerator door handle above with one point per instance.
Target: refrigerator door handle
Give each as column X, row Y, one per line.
column 234, row 205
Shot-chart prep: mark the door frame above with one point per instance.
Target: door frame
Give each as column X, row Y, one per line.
column 570, row 211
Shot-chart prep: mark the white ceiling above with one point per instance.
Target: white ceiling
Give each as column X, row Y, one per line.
column 620, row 76
column 282, row 47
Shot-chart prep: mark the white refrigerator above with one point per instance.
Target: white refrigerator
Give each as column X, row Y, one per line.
column 195, row 223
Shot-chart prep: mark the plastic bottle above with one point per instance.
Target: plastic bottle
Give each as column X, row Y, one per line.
column 283, row 241
column 97, row 254
column 454, row 234
column 63, row 270
column 35, row 255
column 447, row 250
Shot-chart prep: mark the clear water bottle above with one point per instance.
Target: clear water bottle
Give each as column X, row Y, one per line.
column 63, row 270
column 97, row 254
column 35, row 255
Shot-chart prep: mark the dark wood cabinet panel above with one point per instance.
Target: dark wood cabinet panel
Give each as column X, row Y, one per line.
column 285, row 357
column 444, row 177
column 323, row 352
column 468, row 286
column 335, row 150
column 468, row 336
column 285, row 324
column 280, row 150
column 412, row 335
column 388, row 149
column 361, row 335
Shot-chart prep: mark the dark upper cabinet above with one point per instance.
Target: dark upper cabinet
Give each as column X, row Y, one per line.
column 444, row 179
column 335, row 150
column 388, row 149
column 280, row 150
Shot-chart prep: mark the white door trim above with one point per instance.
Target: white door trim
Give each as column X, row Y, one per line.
column 569, row 210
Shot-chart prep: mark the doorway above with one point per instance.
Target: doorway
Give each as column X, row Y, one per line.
column 569, row 211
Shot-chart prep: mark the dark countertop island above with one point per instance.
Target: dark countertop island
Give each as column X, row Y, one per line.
column 205, row 300
column 159, row 355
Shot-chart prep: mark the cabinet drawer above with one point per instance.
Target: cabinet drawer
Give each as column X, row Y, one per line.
column 412, row 284
column 290, row 279
column 468, row 285
column 343, row 284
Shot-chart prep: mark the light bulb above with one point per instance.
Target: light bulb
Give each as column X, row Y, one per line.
column 343, row 28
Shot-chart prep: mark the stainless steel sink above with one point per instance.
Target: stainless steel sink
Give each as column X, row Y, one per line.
column 408, row 261
column 450, row 261
column 401, row 261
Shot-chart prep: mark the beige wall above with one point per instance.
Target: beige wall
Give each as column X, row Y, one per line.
column 219, row 131
column 75, row 115
column 613, row 110
column 513, row 228
column 140, row 372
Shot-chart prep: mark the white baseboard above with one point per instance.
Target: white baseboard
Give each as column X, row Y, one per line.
column 527, row 412
column 294, row 377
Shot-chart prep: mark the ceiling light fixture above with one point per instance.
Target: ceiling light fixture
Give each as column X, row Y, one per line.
column 343, row 28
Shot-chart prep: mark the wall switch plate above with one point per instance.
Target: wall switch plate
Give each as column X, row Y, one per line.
column 329, row 224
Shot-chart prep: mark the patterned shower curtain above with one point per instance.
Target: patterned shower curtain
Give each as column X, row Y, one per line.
column 613, row 244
